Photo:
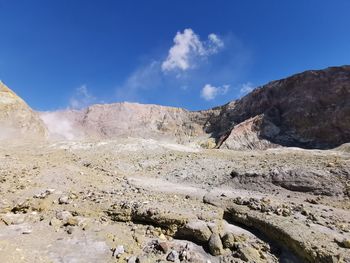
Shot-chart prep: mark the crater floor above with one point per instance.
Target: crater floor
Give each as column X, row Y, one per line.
column 137, row 200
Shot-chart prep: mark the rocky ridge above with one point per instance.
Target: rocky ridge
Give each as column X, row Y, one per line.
column 308, row 110
column 17, row 119
column 122, row 120
column 129, row 183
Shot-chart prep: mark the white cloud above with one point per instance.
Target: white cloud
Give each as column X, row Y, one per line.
column 246, row 88
column 82, row 98
column 215, row 43
column 188, row 46
column 210, row 92
column 190, row 63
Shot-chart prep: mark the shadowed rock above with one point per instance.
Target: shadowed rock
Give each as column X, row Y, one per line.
column 309, row 110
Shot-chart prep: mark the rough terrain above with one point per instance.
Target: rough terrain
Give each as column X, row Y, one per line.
column 127, row 182
column 307, row 110
column 17, row 119
column 140, row 200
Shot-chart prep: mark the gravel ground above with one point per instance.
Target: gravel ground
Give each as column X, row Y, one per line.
column 137, row 200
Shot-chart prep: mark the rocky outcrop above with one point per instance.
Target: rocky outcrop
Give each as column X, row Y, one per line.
column 247, row 135
column 308, row 244
column 299, row 180
column 309, row 110
column 17, row 119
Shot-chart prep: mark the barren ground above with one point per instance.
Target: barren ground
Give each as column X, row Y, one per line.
column 145, row 201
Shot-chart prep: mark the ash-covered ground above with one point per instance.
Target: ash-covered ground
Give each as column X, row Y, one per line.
column 137, row 200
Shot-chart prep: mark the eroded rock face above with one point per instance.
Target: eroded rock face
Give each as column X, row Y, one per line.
column 310, row 110
column 247, row 135
column 299, row 180
column 17, row 119
column 118, row 120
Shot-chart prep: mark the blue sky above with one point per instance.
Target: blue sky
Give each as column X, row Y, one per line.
column 194, row 54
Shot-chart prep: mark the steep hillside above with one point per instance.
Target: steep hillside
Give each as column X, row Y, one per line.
column 118, row 120
column 17, row 119
column 310, row 110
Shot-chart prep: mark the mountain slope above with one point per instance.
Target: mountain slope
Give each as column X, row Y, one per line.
column 17, row 119
column 110, row 121
column 310, row 110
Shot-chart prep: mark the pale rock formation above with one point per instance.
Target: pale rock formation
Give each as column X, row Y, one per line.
column 17, row 119
column 122, row 120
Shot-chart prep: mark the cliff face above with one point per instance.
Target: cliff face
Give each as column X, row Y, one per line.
column 110, row 121
column 310, row 110
column 17, row 119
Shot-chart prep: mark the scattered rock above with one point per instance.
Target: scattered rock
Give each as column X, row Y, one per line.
column 26, row 231
column 195, row 230
column 44, row 194
column 248, row 254
column 173, row 256
column 72, row 221
column 118, row 251
column 12, row 219
column 164, row 247
column 141, row 259
column 215, row 245
column 21, row 208
column 346, row 243
column 70, row 230
column 82, row 222
column 228, row 240
column 330, row 164
column 56, row 223
column 312, row 201
column 63, row 200
column 113, row 180
column 64, row 216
